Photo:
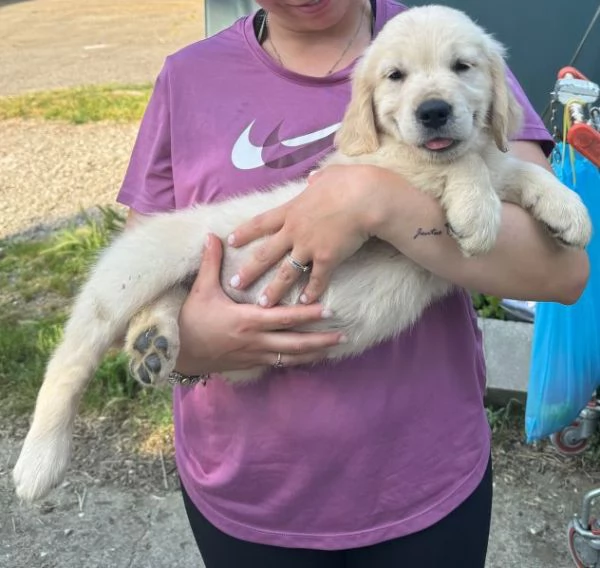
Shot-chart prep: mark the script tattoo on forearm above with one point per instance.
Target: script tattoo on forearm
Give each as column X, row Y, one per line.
column 434, row 232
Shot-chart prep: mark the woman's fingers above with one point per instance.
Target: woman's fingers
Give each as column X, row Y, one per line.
column 320, row 276
column 210, row 268
column 287, row 317
column 324, row 225
column 264, row 224
column 288, row 360
column 291, row 268
column 300, row 344
column 264, row 256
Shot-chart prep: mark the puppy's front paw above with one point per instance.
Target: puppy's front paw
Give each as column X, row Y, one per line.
column 475, row 228
column 566, row 217
column 152, row 347
column 42, row 464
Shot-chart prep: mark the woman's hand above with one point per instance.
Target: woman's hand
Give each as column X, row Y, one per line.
column 219, row 335
column 327, row 223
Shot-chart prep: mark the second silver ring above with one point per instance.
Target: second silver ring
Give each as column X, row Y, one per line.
column 279, row 363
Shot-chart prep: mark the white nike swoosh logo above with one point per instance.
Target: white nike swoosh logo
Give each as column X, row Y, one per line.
column 247, row 156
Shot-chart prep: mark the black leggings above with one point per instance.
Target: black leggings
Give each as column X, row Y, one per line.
column 457, row 541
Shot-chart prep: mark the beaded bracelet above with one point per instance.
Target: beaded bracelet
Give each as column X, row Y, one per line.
column 177, row 378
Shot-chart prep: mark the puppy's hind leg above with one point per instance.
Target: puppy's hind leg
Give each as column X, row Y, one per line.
column 152, row 342
column 46, row 451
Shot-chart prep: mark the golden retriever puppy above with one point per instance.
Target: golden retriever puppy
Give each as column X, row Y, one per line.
column 429, row 101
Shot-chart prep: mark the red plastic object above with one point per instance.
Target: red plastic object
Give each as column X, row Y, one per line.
column 586, row 141
column 566, row 441
column 571, row 71
column 584, row 138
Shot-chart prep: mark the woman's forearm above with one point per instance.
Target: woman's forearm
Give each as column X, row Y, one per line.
column 525, row 262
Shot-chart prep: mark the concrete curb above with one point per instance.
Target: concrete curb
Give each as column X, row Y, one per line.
column 507, row 348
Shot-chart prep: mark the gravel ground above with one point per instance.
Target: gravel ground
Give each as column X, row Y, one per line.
column 51, row 171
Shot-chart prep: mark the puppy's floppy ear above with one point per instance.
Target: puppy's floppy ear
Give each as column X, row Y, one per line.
column 358, row 132
column 505, row 113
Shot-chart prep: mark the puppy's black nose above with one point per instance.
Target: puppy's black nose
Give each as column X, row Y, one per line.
column 434, row 113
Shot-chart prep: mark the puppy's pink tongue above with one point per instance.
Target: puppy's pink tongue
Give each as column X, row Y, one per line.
column 439, row 143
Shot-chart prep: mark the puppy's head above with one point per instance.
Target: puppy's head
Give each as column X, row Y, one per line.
column 434, row 81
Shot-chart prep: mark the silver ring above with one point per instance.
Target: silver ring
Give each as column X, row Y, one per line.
column 279, row 363
column 298, row 265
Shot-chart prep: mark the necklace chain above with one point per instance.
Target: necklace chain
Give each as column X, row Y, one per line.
column 339, row 59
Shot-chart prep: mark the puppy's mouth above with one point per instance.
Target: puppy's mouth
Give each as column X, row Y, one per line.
column 440, row 145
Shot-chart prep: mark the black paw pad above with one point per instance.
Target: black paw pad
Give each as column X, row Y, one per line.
column 152, row 363
column 144, row 340
column 161, row 344
column 143, row 375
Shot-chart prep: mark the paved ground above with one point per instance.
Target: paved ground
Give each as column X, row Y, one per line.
column 57, row 43
column 87, row 524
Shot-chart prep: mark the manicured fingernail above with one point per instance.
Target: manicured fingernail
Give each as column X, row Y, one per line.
column 304, row 299
column 263, row 301
column 326, row 313
column 343, row 339
column 235, row 281
column 207, row 241
column 231, row 239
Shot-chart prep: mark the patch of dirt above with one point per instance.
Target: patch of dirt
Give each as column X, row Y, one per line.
column 536, row 491
column 109, row 451
column 113, row 449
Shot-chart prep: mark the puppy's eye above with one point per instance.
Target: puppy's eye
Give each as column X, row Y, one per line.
column 461, row 66
column 396, row 75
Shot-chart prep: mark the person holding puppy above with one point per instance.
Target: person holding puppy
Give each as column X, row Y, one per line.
column 380, row 460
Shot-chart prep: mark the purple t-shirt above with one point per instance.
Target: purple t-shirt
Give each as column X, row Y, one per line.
column 333, row 456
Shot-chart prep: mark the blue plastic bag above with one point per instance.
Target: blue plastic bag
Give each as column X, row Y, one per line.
column 565, row 358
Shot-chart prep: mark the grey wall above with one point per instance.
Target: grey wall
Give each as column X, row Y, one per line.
column 221, row 13
column 541, row 35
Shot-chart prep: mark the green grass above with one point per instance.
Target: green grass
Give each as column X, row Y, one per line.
column 505, row 418
column 488, row 306
column 116, row 103
column 37, row 282
column 55, row 266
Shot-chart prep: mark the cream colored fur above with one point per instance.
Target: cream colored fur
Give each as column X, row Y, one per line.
column 136, row 286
